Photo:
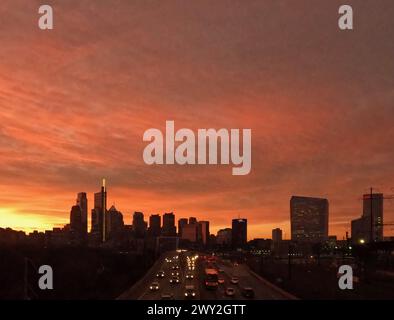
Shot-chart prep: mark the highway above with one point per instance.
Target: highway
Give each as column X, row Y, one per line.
column 187, row 263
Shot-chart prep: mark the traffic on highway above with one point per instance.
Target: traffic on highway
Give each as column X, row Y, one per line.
column 184, row 275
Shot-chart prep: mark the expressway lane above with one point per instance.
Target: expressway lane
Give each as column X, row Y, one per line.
column 263, row 289
column 176, row 290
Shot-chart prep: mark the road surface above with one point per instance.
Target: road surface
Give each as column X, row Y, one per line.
column 185, row 261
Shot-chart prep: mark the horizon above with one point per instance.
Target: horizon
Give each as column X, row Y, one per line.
column 127, row 217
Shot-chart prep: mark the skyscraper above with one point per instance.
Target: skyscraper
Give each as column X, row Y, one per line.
column 155, row 225
column 204, row 232
column 309, row 219
column 276, row 239
column 181, row 223
column 276, row 235
column 169, row 228
column 190, row 232
column 139, row 225
column 223, row 237
column 364, row 228
column 192, row 220
column 116, row 223
column 76, row 221
column 82, row 202
column 239, row 233
column 99, row 213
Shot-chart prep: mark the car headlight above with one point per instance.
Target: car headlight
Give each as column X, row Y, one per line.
column 185, row 294
column 150, row 287
column 193, row 294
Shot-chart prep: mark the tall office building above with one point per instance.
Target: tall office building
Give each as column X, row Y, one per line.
column 99, row 213
column 169, row 229
column 115, row 222
column 181, row 223
column 192, row 220
column 155, row 225
column 309, row 219
column 76, row 221
column 203, row 232
column 276, row 239
column 277, row 235
column 139, row 225
column 239, row 233
column 190, row 232
column 223, row 237
column 82, row 202
column 364, row 228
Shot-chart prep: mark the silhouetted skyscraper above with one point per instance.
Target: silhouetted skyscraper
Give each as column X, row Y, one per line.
column 82, row 202
column 277, row 235
column 223, row 237
column 363, row 227
column 116, row 223
column 139, row 225
column 192, row 220
column 155, row 225
column 309, row 219
column 204, row 232
column 239, row 233
column 276, row 238
column 76, row 221
column 99, row 213
column 181, row 223
column 169, row 228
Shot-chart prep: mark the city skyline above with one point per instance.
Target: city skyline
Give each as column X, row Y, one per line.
column 76, row 100
column 94, row 220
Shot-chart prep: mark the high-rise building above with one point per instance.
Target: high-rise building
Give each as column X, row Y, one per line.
column 309, row 219
column 99, row 213
column 155, row 225
column 276, row 238
column 76, row 221
column 192, row 220
column 190, row 232
column 139, row 225
column 223, row 237
column 169, row 229
column 181, row 223
column 204, row 232
column 115, row 221
column 82, row 202
column 239, row 233
column 364, row 228
column 277, row 235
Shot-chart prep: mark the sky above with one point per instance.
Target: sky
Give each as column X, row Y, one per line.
column 76, row 100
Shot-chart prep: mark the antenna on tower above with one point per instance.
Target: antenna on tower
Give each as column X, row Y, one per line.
column 104, row 183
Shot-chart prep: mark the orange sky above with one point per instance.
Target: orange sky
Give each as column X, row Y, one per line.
column 75, row 102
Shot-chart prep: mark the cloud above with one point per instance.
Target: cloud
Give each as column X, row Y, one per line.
column 74, row 104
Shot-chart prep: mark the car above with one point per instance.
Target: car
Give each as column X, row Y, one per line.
column 175, row 273
column 189, row 276
column 221, row 280
column 176, row 267
column 230, row 292
column 248, row 292
column 167, row 296
column 154, row 286
column 234, row 280
column 190, row 292
column 160, row 274
column 174, row 280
